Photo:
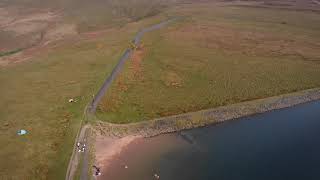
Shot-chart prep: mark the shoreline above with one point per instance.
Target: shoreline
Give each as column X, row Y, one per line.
column 170, row 155
column 206, row 117
column 122, row 165
column 108, row 148
column 111, row 140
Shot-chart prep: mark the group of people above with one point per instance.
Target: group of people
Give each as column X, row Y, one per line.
column 97, row 171
column 81, row 147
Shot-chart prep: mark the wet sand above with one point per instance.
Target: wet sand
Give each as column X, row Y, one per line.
column 277, row 145
column 109, row 148
column 133, row 153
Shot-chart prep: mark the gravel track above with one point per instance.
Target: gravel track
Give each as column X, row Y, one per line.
column 82, row 137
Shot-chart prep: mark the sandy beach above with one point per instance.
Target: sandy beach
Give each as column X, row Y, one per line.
column 116, row 146
column 108, row 148
column 243, row 147
column 120, row 158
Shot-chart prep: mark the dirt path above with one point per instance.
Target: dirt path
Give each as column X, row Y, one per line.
column 121, row 62
column 75, row 158
column 85, row 161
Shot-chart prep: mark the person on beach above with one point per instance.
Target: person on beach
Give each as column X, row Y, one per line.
column 156, row 176
column 97, row 173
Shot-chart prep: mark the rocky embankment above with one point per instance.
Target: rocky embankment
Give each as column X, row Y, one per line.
column 206, row 117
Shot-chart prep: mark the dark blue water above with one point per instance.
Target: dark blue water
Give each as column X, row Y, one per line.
column 282, row 144
column 278, row 145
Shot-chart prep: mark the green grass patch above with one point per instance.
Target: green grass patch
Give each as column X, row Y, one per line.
column 10, row 52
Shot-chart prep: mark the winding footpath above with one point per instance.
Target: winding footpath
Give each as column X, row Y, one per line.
column 83, row 133
column 122, row 60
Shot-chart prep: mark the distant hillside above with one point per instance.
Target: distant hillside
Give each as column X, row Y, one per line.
column 24, row 23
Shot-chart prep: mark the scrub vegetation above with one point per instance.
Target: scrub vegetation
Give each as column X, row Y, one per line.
column 35, row 93
column 218, row 55
column 29, row 22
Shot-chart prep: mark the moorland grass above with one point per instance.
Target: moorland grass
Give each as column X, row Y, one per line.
column 175, row 71
column 218, row 56
column 34, row 96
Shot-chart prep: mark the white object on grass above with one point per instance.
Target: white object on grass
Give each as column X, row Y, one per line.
column 22, row 132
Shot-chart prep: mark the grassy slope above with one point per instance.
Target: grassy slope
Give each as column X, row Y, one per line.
column 34, row 96
column 218, row 56
column 96, row 14
column 85, row 15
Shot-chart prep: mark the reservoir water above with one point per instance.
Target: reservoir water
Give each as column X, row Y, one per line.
column 278, row 145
